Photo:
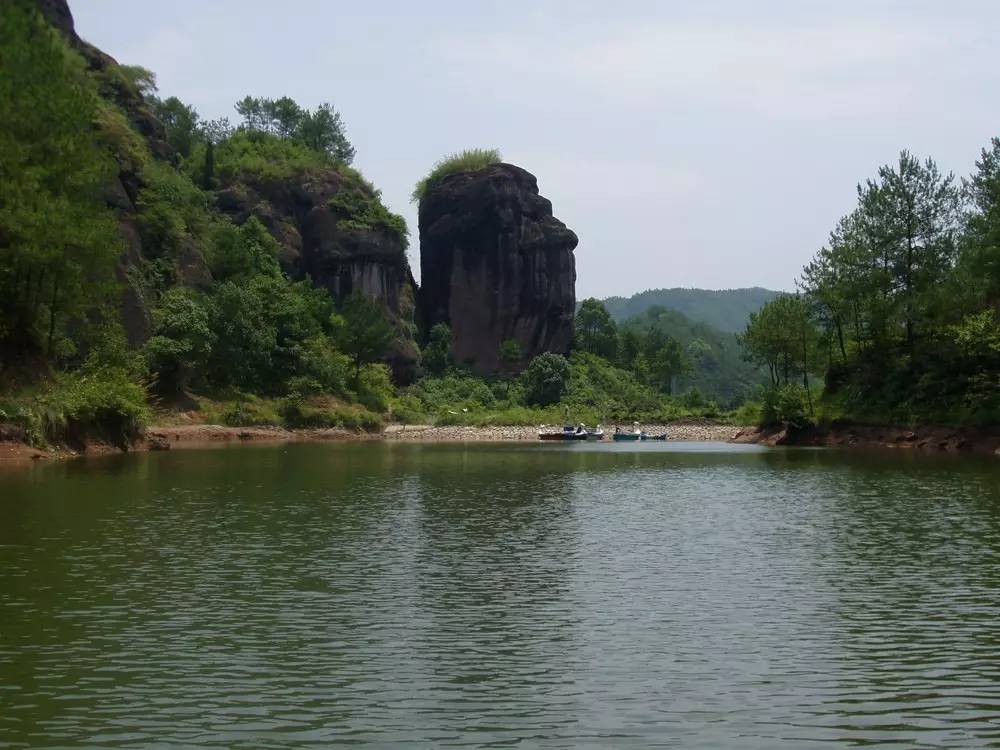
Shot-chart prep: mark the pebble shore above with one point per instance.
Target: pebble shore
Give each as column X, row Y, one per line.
column 427, row 433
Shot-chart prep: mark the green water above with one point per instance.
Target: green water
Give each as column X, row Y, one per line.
column 688, row 596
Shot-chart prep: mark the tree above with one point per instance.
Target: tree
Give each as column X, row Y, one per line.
column 546, row 379
column 323, row 130
column 180, row 122
column 509, row 354
column 782, row 337
column 666, row 363
column 981, row 254
column 436, row 356
column 286, row 116
column 595, row 331
column 58, row 239
column 182, row 340
column 365, row 334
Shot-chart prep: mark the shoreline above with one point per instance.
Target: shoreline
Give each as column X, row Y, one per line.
column 926, row 438
column 933, row 439
column 15, row 452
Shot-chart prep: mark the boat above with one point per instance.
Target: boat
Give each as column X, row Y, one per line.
column 568, row 432
column 595, row 434
column 635, row 435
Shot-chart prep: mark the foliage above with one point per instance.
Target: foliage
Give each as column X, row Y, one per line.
column 905, row 295
column 243, row 252
column 436, row 356
column 712, row 360
column 320, row 413
column 180, row 121
column 363, row 334
column 362, row 209
column 182, row 340
column 595, row 331
column 261, row 155
column 321, row 131
column 787, row 404
column 468, row 160
column 58, row 241
column 724, row 310
column 545, row 380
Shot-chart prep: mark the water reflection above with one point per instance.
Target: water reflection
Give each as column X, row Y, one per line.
column 688, row 596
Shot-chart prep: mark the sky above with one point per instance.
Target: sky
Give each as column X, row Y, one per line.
column 711, row 144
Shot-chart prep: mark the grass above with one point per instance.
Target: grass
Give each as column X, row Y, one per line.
column 464, row 161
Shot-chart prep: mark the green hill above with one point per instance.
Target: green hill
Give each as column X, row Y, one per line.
column 724, row 309
column 719, row 370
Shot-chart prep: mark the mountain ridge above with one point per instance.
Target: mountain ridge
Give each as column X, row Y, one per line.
column 724, row 309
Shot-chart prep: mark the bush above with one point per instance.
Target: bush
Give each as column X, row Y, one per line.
column 546, row 379
column 249, row 413
column 464, row 161
column 375, row 387
column 749, row 413
column 303, row 414
column 786, row 405
column 104, row 404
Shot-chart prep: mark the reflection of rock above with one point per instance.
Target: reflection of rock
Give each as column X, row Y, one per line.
column 325, row 242
column 496, row 265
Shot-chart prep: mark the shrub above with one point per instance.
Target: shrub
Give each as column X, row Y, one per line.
column 362, row 209
column 249, row 413
column 749, row 413
column 463, row 161
column 546, row 379
column 375, row 387
column 104, row 404
column 787, row 405
column 303, row 414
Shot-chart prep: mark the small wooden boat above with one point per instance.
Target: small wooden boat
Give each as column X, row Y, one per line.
column 635, row 435
column 619, row 437
column 568, row 432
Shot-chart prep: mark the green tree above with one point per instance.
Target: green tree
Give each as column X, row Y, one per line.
column 546, row 379
column 596, row 332
column 981, row 253
column 323, row 130
column 365, row 334
column 436, row 356
column 667, row 363
column 182, row 340
column 180, row 122
column 58, row 240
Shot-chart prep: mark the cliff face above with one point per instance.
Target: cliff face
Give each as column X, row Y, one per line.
column 311, row 216
column 323, row 240
column 496, row 265
column 124, row 192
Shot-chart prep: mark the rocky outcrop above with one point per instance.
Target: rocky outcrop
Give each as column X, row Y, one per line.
column 496, row 265
column 321, row 236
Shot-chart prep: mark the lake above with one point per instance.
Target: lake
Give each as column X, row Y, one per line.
column 678, row 595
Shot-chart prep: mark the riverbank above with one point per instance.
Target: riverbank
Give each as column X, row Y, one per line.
column 936, row 439
column 14, row 450
column 688, row 431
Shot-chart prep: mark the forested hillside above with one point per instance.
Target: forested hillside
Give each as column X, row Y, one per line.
column 899, row 314
column 725, row 309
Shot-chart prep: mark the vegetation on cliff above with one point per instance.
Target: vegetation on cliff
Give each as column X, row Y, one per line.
column 463, row 161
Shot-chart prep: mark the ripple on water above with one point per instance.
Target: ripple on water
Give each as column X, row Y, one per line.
column 452, row 595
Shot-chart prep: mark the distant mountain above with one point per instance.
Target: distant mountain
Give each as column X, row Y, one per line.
column 725, row 309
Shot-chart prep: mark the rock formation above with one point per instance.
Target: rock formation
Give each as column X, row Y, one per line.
column 496, row 265
column 321, row 237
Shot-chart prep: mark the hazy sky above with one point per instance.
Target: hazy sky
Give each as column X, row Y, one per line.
column 709, row 144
